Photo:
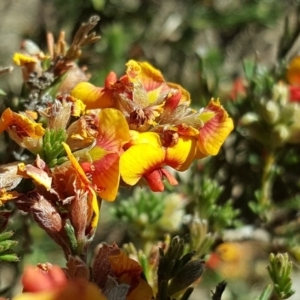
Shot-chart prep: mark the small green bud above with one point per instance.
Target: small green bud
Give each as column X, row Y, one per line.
column 6, row 245
column 281, row 93
column 270, row 112
column 280, row 269
column 11, row 257
column 6, row 235
column 279, row 135
column 249, row 118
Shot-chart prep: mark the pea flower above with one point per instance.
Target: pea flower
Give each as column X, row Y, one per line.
column 164, row 131
column 49, row 282
column 22, row 129
column 175, row 144
column 115, row 273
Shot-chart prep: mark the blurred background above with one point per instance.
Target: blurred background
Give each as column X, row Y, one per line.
column 200, row 45
column 183, row 38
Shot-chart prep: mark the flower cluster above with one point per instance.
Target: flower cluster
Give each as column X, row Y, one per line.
column 82, row 142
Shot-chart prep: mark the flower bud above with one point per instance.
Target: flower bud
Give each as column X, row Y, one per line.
column 270, row 112
column 279, row 135
column 281, row 93
column 188, row 274
column 249, row 118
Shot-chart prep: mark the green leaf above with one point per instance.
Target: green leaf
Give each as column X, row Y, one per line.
column 266, row 293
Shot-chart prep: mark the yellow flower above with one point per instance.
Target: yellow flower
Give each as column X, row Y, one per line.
column 21, row 59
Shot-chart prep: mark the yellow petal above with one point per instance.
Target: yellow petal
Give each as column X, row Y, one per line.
column 7, row 196
column 138, row 160
column 106, row 176
column 21, row 59
column 181, row 155
column 113, row 130
column 142, row 292
column 151, row 78
column 38, row 175
column 76, row 164
column 151, row 138
column 86, row 184
column 95, row 206
column 93, row 97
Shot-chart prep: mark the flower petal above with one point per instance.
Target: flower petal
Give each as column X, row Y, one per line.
column 36, row 279
column 21, row 123
column 293, row 72
column 139, row 160
column 74, row 289
column 85, row 185
column 113, row 130
column 155, row 179
column 21, row 59
column 38, row 175
column 216, row 128
column 76, row 164
column 92, row 96
column 181, row 155
column 151, row 138
column 7, row 196
column 105, row 175
column 151, row 78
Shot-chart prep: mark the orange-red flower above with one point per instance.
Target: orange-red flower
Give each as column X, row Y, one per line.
column 128, row 271
column 48, row 282
column 293, row 71
column 112, row 265
column 22, row 129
